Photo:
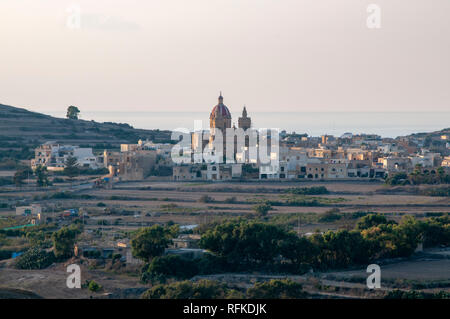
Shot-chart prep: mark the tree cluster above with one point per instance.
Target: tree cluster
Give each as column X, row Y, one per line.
column 420, row 176
column 208, row 289
column 64, row 242
column 255, row 245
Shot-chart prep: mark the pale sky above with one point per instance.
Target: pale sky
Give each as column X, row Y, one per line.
column 272, row 55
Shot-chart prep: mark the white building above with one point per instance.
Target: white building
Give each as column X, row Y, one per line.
column 54, row 156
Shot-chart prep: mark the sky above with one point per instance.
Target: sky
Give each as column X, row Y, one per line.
column 271, row 55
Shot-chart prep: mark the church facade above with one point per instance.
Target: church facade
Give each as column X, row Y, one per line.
column 220, row 120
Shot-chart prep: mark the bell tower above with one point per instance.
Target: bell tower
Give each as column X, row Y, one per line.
column 244, row 121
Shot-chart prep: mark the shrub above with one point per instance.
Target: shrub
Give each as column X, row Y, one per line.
column 94, row 287
column 35, row 258
column 205, row 199
column 276, row 289
column 230, row 200
column 413, row 294
column 262, row 209
column 371, row 220
column 315, row 190
column 330, row 216
column 203, row 289
column 170, row 266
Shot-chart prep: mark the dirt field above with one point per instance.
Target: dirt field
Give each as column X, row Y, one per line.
column 129, row 206
column 51, row 283
column 158, row 202
column 411, row 270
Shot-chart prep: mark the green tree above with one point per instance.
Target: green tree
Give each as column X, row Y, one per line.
column 21, row 174
column 72, row 112
column 392, row 240
column 244, row 242
column 371, row 220
column 436, row 231
column 441, row 174
column 299, row 251
column 64, row 242
column 71, row 167
column 41, row 176
column 34, row 258
column 262, row 209
column 151, row 242
column 340, row 249
column 169, row 266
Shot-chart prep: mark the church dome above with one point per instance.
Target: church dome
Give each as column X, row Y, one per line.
column 220, row 110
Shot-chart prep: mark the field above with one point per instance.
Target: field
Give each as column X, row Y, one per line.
column 110, row 214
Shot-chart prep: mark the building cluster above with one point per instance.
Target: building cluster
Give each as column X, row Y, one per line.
column 137, row 161
column 362, row 156
column 54, row 156
column 298, row 156
column 132, row 162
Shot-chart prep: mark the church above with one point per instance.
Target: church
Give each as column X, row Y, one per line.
column 220, row 117
column 220, row 120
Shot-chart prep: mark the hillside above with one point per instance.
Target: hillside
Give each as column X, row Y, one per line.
column 22, row 130
column 20, row 127
column 435, row 134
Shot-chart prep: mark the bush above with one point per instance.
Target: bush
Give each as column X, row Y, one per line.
column 170, row 266
column 441, row 191
column 330, row 216
column 262, row 209
column 203, row 289
column 230, row 200
column 35, row 258
column 436, row 231
column 205, row 199
column 371, row 220
column 315, row 190
column 94, row 287
column 276, row 289
column 413, row 294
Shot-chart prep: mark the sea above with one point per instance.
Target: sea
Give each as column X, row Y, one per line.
column 386, row 124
